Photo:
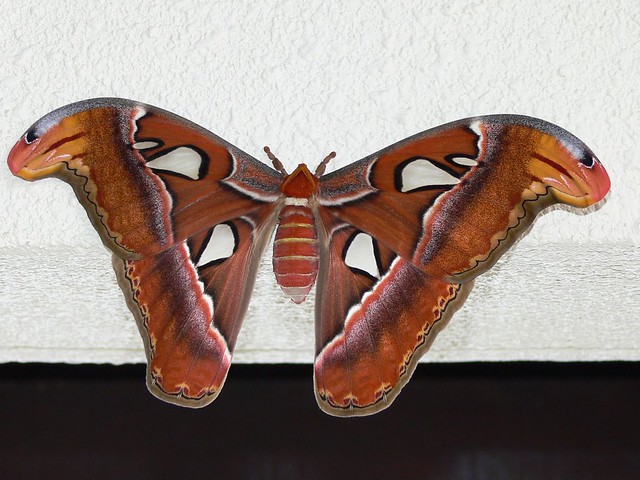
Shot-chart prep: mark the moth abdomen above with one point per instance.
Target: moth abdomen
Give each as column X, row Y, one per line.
column 296, row 252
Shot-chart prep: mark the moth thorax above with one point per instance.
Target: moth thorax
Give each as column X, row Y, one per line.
column 300, row 183
column 295, row 252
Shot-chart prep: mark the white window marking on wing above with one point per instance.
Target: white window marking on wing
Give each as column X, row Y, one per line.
column 361, row 255
column 422, row 173
column 464, row 161
column 145, row 145
column 220, row 246
column 183, row 160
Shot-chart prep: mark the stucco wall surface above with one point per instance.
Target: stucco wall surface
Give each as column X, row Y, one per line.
column 306, row 78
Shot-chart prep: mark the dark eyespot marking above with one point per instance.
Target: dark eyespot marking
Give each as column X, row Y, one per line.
column 587, row 160
column 30, row 136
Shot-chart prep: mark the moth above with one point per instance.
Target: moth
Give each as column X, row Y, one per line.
column 391, row 242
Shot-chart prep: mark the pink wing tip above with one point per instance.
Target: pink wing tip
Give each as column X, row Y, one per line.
column 603, row 184
column 20, row 154
column 16, row 157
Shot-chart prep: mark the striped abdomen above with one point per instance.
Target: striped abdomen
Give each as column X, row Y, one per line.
column 295, row 252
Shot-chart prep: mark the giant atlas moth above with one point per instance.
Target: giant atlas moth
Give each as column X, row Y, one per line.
column 392, row 242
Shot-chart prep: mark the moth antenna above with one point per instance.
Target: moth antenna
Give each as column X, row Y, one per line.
column 277, row 164
column 323, row 164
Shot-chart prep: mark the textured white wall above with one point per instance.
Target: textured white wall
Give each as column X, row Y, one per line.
column 307, row 78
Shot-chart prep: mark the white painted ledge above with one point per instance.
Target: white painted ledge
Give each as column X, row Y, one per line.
column 558, row 302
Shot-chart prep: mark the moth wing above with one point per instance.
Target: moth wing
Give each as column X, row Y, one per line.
column 376, row 315
column 435, row 211
column 189, row 302
column 187, row 216
column 452, row 199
